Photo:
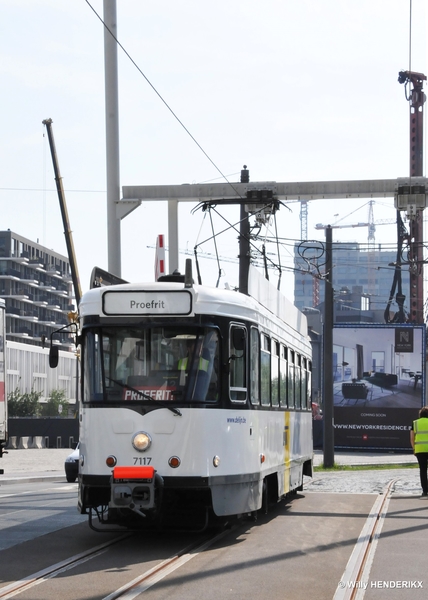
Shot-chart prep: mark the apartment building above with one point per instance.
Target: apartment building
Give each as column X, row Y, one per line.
column 37, row 287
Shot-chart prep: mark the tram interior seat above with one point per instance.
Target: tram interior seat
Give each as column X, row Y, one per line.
column 164, row 376
column 156, row 378
column 172, row 378
column 137, row 380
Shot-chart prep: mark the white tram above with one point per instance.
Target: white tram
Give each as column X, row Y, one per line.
column 195, row 403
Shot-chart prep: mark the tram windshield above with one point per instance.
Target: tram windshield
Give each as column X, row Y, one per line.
column 161, row 364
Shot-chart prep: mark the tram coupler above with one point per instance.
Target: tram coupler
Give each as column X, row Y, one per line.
column 134, row 488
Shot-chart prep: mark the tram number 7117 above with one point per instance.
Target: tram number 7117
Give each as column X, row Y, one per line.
column 142, row 460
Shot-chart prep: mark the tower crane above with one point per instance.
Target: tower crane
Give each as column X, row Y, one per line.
column 371, row 224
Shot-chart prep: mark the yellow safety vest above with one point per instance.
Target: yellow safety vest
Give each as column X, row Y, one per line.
column 420, row 428
column 202, row 365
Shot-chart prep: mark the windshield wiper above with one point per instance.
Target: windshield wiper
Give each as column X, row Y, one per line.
column 145, row 396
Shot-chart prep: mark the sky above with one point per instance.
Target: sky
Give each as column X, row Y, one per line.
column 298, row 90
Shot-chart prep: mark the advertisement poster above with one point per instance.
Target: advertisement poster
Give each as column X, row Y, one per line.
column 379, row 384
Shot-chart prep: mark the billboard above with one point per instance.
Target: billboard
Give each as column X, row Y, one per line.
column 378, row 384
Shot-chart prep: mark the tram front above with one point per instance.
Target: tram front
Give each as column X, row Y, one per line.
column 148, row 364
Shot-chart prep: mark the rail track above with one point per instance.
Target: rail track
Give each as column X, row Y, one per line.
column 128, row 565
column 129, row 590
column 362, row 555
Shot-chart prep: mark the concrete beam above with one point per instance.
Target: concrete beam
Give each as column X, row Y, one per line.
column 286, row 191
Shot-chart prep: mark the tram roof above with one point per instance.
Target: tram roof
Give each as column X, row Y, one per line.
column 264, row 303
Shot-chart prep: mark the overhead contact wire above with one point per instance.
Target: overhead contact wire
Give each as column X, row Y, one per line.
column 161, row 98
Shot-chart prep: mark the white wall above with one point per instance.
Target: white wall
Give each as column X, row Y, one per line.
column 27, row 367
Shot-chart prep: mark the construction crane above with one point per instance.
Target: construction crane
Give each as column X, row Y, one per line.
column 303, row 219
column 370, row 223
column 64, row 213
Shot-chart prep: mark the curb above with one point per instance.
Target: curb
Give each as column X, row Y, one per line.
column 9, row 480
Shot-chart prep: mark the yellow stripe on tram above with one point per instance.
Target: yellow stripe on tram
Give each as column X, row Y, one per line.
column 287, row 437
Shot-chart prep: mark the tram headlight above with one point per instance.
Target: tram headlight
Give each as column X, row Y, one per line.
column 141, row 441
column 216, row 461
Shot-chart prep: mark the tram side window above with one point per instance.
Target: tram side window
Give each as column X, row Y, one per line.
column 92, row 381
column 304, row 383
column 297, row 381
column 290, row 393
column 238, row 366
column 275, row 373
column 254, row 367
column 283, row 374
column 309, row 384
column 265, row 370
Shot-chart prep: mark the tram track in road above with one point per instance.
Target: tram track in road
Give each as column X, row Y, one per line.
column 146, row 580
column 13, row 589
column 129, row 564
column 128, row 590
column 360, row 560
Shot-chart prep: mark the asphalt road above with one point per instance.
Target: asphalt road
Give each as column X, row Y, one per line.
column 300, row 549
column 284, row 554
column 28, row 511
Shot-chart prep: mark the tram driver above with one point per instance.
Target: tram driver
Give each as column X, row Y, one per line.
column 184, row 364
column 200, row 355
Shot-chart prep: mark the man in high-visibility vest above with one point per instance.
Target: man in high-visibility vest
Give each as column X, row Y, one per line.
column 419, row 442
column 184, row 364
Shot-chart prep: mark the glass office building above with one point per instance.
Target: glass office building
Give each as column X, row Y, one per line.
column 362, row 279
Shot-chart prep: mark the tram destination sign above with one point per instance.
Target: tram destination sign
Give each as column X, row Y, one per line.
column 146, row 303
